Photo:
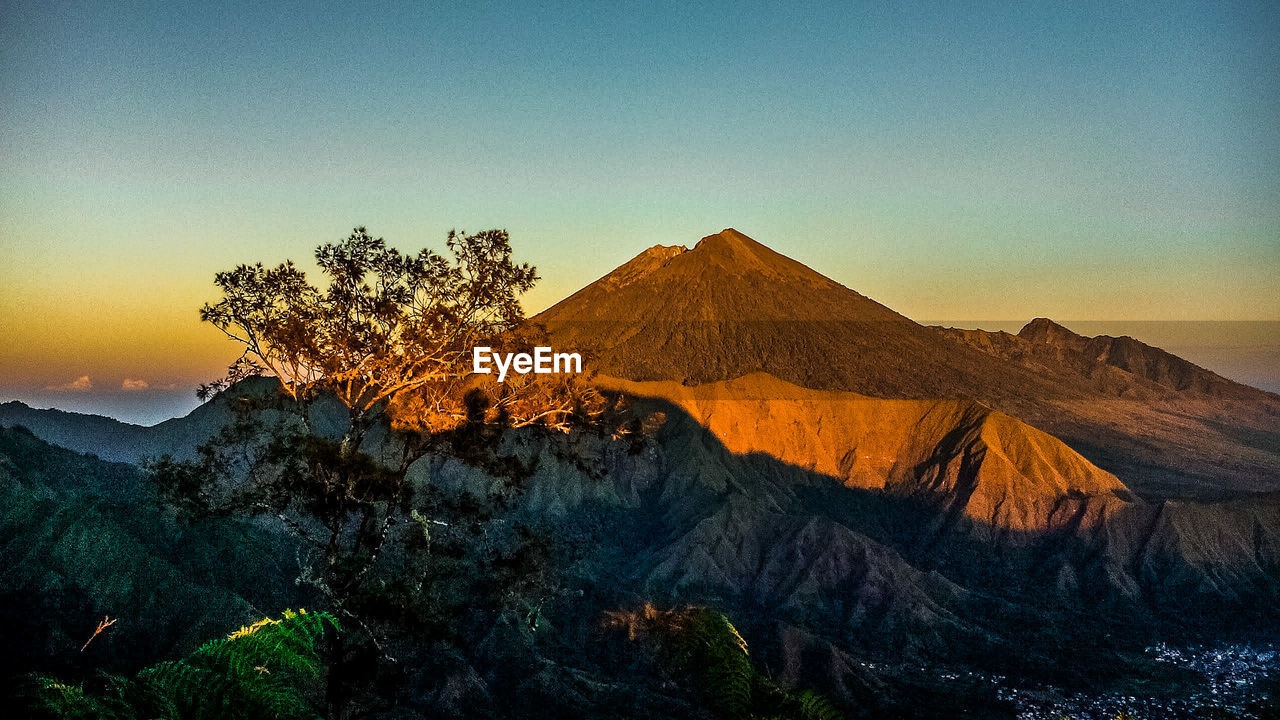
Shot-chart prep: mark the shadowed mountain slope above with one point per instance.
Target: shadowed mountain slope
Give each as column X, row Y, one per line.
column 968, row 458
column 730, row 503
column 81, row 538
column 894, row 544
column 730, row 306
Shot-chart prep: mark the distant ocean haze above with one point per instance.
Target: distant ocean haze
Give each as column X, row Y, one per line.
column 1247, row 351
column 140, row 407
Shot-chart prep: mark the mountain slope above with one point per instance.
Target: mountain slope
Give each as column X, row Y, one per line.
column 81, row 538
column 730, row 306
column 738, row 498
column 960, row 455
column 116, row 441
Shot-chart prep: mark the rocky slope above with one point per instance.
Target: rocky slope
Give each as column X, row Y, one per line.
column 962, row 456
column 730, row 306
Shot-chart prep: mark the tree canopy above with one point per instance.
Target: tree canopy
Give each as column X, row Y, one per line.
column 386, row 323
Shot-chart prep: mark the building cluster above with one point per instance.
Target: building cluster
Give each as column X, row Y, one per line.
column 1231, row 679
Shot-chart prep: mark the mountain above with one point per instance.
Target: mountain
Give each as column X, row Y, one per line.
column 108, row 438
column 890, row 550
column 913, row 520
column 958, row 455
column 1120, row 366
column 81, row 538
column 117, row 441
column 949, row 485
column 730, row 306
column 1135, row 357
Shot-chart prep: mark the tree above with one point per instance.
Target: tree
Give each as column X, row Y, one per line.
column 389, row 337
column 387, row 324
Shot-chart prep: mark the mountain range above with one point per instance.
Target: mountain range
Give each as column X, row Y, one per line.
column 730, row 306
column 912, row 519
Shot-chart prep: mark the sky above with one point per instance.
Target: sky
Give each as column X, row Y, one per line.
column 1108, row 161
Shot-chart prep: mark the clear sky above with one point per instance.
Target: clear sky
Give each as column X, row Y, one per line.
column 1105, row 161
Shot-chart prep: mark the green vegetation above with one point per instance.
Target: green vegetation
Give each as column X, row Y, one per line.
column 372, row 367
column 702, row 644
column 265, row 670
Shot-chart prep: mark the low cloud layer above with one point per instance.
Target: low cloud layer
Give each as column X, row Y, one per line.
column 129, row 384
column 80, row 384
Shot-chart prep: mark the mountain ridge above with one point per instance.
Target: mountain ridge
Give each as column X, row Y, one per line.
column 730, row 306
column 963, row 456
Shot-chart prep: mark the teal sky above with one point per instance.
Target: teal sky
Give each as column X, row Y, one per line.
column 1105, row 161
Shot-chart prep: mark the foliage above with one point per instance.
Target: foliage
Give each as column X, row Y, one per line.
column 388, row 327
column 389, row 337
column 374, row 370
column 387, row 320
column 702, row 644
column 259, row 671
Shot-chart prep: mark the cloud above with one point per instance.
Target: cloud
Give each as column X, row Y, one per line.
column 134, row 384
column 80, row 384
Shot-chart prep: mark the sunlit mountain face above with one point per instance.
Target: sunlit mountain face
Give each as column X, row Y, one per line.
column 730, row 306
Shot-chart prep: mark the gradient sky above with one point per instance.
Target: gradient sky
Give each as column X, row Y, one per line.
column 1108, row 161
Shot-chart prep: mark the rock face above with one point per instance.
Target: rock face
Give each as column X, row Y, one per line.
column 730, row 306
column 957, row 454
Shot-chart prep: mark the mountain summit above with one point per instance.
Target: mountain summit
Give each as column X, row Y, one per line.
column 729, row 306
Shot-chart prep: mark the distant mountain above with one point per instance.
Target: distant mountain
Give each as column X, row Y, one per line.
column 730, row 306
column 1112, row 365
column 117, row 441
column 81, row 538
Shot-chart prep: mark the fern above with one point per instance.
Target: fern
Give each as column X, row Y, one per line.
column 813, row 706
column 258, row 671
column 118, row 699
column 704, row 645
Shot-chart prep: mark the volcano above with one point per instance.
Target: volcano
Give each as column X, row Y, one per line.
column 730, row 306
